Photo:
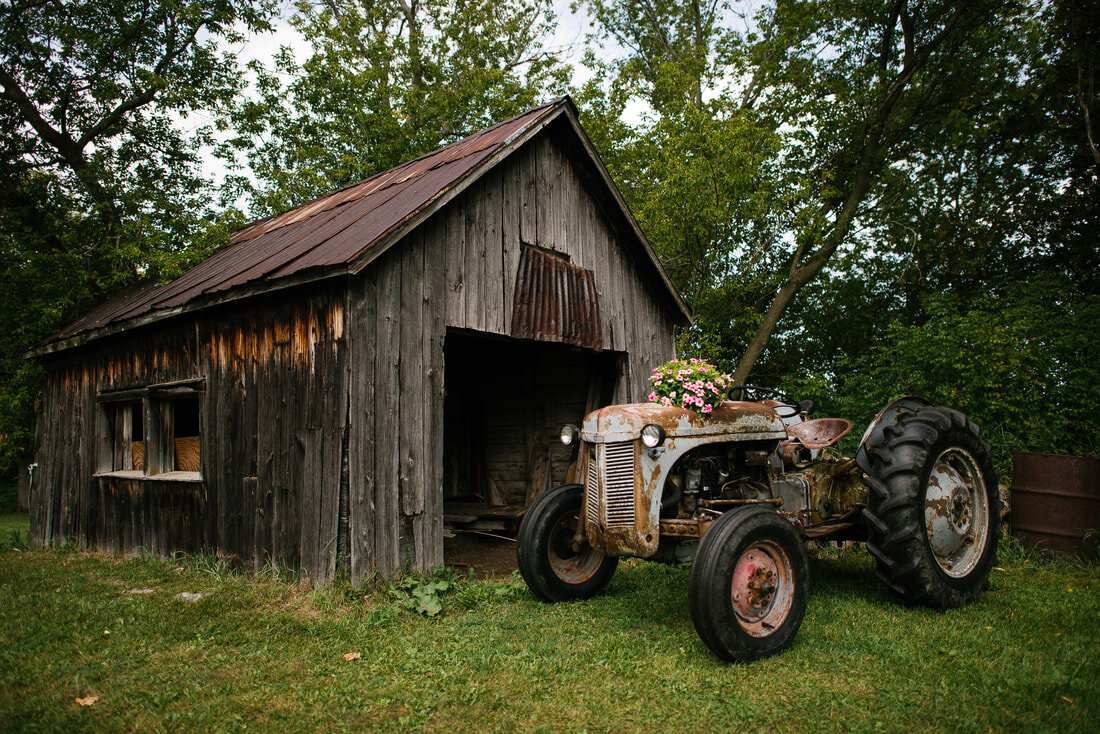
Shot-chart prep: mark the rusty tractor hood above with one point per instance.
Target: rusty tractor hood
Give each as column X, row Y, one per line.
column 743, row 420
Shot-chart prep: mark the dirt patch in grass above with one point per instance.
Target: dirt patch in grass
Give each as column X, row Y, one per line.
column 489, row 557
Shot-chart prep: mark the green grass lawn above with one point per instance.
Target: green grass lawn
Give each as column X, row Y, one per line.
column 265, row 654
column 13, row 528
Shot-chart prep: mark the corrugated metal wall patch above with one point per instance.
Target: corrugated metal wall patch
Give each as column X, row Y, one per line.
column 555, row 301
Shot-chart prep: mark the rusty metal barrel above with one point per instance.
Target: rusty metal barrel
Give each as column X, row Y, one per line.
column 1055, row 500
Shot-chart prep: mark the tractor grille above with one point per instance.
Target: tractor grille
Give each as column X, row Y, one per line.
column 619, row 484
column 592, row 487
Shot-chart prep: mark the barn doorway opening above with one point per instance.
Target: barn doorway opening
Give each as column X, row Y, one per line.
column 506, row 401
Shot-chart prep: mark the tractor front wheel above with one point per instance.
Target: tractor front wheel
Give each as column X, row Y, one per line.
column 747, row 588
column 555, row 566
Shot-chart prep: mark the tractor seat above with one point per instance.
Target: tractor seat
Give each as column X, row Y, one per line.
column 820, row 432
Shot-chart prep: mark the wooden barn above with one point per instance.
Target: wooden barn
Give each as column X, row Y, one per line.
column 315, row 392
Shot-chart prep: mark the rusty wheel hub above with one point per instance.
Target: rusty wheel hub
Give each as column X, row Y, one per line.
column 572, row 561
column 763, row 588
column 956, row 512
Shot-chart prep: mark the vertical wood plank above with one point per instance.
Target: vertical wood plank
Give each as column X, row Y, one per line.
column 388, row 417
column 361, row 325
column 511, row 214
column 453, row 221
column 529, row 193
column 492, row 284
column 413, row 393
column 544, row 198
column 474, row 206
column 433, row 333
column 331, row 354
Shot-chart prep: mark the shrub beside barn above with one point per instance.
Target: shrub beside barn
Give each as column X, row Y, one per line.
column 318, row 390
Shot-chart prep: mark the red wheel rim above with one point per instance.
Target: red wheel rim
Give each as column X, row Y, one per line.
column 763, row 588
column 574, row 566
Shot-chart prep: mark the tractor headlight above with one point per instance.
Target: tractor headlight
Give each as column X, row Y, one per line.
column 652, row 435
column 569, row 434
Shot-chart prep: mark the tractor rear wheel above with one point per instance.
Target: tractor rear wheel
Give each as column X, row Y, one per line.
column 747, row 588
column 933, row 509
column 555, row 566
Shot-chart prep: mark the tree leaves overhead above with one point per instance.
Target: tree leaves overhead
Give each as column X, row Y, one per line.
column 92, row 92
column 388, row 80
column 98, row 179
column 847, row 130
column 816, row 174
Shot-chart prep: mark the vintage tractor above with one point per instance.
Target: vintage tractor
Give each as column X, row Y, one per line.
column 736, row 493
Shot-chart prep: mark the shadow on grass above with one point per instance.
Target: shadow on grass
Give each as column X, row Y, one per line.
column 654, row 595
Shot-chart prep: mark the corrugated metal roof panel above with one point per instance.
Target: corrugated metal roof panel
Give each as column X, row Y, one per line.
column 330, row 231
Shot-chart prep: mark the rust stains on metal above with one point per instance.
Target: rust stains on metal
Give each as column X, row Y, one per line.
column 693, row 528
column 326, row 235
column 746, row 421
column 555, row 301
column 820, row 432
column 1055, row 501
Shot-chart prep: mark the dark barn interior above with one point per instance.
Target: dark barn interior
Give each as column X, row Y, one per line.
column 506, row 401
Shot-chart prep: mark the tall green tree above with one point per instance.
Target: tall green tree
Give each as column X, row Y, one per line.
column 1005, row 193
column 99, row 178
column 826, row 99
column 387, row 81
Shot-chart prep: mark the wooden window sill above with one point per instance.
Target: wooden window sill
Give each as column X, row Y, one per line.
column 170, row 476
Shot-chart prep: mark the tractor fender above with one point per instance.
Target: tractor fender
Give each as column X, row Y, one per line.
column 887, row 418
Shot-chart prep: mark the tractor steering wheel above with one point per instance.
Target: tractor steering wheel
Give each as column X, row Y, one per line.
column 759, row 393
column 790, row 407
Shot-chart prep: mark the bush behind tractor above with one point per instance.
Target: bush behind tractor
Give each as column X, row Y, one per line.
column 736, row 493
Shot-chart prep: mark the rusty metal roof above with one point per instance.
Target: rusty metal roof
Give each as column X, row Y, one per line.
column 326, row 233
column 333, row 234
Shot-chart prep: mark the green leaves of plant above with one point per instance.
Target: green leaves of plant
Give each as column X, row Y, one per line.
column 420, row 596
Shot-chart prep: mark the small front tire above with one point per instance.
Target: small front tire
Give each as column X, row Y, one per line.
column 553, row 567
column 748, row 584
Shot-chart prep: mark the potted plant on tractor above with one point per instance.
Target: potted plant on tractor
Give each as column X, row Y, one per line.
column 734, row 480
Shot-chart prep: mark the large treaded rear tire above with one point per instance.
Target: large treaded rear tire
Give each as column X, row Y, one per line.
column 552, row 568
column 747, row 588
column 933, row 509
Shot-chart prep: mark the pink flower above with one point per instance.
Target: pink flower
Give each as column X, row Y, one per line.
column 653, row 397
column 706, row 408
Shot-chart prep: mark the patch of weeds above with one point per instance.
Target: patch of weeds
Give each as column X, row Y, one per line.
column 476, row 594
column 215, row 565
column 1010, row 552
column 13, row 540
column 421, row 594
column 275, row 573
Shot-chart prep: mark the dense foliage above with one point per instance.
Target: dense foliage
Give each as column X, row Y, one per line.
column 388, row 81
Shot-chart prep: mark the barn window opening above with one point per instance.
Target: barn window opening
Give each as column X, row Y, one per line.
column 185, row 429
column 126, row 419
column 154, row 430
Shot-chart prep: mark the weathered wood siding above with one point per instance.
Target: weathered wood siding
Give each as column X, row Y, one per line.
column 538, row 197
column 276, row 407
column 272, row 415
column 72, row 428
